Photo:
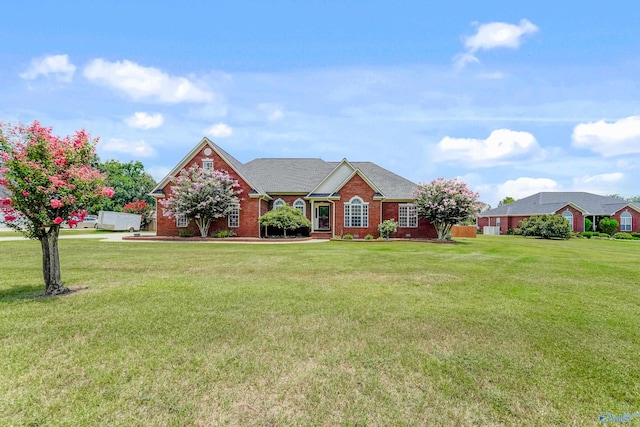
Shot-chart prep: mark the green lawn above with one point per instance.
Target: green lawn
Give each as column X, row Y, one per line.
column 498, row 330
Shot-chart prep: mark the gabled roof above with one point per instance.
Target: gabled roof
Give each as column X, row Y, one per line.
column 228, row 158
column 551, row 202
column 303, row 175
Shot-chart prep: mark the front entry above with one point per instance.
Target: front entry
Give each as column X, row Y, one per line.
column 322, row 218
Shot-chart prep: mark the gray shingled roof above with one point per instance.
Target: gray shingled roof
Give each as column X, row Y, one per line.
column 287, row 175
column 550, row 202
column 303, row 175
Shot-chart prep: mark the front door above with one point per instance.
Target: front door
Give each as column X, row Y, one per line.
column 322, row 218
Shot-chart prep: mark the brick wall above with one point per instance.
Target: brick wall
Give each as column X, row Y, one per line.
column 424, row 230
column 248, row 207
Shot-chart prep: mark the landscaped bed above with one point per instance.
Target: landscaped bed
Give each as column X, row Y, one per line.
column 498, row 330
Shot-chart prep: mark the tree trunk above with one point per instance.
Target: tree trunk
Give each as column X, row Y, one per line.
column 203, row 226
column 442, row 229
column 51, row 263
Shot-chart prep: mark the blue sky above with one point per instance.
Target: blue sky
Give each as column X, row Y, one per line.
column 513, row 99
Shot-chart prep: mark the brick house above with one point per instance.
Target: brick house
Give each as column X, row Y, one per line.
column 574, row 206
column 337, row 197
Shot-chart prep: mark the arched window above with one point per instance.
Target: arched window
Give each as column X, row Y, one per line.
column 569, row 217
column 356, row 213
column 301, row 206
column 278, row 203
column 625, row 221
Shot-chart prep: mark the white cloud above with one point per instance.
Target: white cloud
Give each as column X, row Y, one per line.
column 524, row 186
column 220, row 130
column 142, row 120
column 55, row 65
column 499, row 34
column 493, row 35
column 609, row 139
column 503, row 146
column 273, row 111
column 136, row 148
column 145, row 82
column 605, row 183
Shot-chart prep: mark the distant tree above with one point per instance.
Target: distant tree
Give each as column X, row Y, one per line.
column 445, row 203
column 284, row 218
column 608, row 225
column 202, row 195
column 506, row 201
column 47, row 180
column 130, row 183
column 545, row 226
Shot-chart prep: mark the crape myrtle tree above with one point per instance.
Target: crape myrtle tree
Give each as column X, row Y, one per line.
column 142, row 208
column 445, row 203
column 202, row 195
column 284, row 218
column 47, row 180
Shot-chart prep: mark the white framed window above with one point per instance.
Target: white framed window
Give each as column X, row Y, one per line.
column 356, row 213
column 301, row 206
column 278, row 203
column 407, row 215
column 569, row 217
column 181, row 220
column 207, row 164
column 625, row 221
column 233, row 219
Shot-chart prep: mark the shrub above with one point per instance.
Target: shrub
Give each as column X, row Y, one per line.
column 185, row 233
column 635, row 234
column 589, row 234
column 387, row 228
column 545, row 226
column 368, row 237
column 608, row 226
column 285, row 218
column 588, row 225
column 347, row 237
column 220, row 234
column 623, row 236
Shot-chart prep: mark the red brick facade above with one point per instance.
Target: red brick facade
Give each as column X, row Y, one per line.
column 511, row 222
column 248, row 206
column 424, row 230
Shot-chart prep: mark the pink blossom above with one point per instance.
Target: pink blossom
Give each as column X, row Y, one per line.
column 25, row 193
column 55, row 204
column 58, row 220
column 107, row 192
column 10, row 218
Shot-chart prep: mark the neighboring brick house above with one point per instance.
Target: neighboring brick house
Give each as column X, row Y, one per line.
column 574, row 206
column 337, row 197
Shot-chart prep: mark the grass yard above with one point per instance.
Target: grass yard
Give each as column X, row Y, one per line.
column 498, row 330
